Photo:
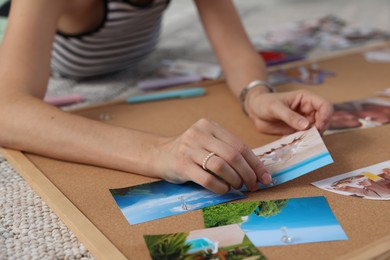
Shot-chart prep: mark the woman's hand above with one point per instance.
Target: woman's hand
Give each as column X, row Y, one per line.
column 288, row 112
column 181, row 159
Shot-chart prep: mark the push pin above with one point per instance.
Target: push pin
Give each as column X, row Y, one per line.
column 184, row 204
column 285, row 237
column 314, row 66
column 272, row 183
column 105, row 116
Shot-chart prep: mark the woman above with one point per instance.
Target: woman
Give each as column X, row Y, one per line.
column 85, row 38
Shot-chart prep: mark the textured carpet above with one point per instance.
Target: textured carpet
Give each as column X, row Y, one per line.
column 28, row 228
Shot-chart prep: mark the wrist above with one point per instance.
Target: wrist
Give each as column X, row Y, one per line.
column 260, row 87
column 144, row 156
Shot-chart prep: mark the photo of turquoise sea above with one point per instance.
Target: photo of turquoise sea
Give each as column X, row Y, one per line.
column 162, row 199
column 302, row 220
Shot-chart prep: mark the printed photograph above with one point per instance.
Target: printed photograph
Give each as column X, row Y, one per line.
column 372, row 182
column 162, row 199
column 293, row 156
column 359, row 114
column 311, row 75
column 385, row 92
column 378, row 55
column 224, row 243
column 279, row 222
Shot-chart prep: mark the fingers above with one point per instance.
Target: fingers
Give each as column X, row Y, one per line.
column 300, row 109
column 230, row 158
column 232, row 162
column 207, row 180
column 289, row 116
column 325, row 111
column 232, row 153
column 273, row 127
column 320, row 108
column 218, row 167
column 261, row 172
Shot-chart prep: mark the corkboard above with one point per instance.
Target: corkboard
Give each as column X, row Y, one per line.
column 80, row 196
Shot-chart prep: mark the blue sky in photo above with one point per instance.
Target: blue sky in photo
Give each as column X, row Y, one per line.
column 308, row 219
column 163, row 199
column 297, row 235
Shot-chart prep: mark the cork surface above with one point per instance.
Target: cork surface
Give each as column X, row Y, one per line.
column 364, row 221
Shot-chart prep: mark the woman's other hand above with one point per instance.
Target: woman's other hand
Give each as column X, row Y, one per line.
column 288, row 112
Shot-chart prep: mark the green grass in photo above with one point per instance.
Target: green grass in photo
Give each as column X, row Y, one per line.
column 234, row 213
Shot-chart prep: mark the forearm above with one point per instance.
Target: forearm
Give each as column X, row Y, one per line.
column 239, row 60
column 29, row 124
column 244, row 68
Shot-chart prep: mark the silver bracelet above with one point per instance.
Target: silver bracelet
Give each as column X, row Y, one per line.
column 251, row 85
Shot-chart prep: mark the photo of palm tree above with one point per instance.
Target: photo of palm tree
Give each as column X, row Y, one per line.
column 279, row 222
column 227, row 242
column 162, row 199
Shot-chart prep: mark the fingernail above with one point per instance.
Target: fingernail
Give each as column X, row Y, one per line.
column 266, row 178
column 303, row 123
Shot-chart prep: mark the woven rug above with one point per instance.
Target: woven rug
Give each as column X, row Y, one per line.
column 28, row 227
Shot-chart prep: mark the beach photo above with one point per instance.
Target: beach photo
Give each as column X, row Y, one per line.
column 162, row 199
column 293, row 156
column 279, row 222
column 372, row 182
column 224, row 243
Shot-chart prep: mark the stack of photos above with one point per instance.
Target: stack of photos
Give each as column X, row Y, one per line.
column 372, row 182
column 359, row 114
column 279, row 222
column 228, row 242
column 293, row 156
column 162, row 199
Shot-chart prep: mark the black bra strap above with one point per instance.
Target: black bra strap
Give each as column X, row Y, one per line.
column 4, row 9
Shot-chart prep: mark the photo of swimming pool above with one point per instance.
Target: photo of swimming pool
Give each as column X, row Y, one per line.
column 226, row 242
column 201, row 244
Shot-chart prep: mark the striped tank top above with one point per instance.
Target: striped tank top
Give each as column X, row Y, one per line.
column 127, row 34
